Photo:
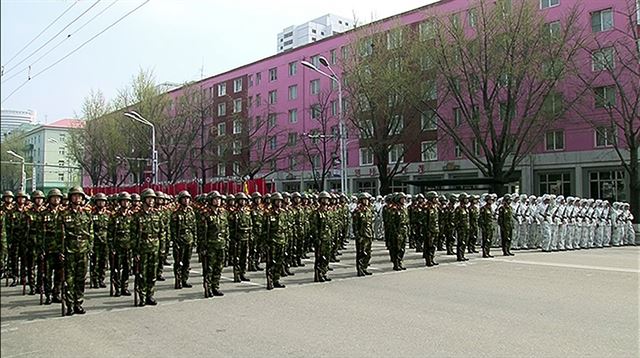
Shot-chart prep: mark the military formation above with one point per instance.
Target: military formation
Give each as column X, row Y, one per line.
column 52, row 244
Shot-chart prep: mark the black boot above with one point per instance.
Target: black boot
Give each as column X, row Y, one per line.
column 79, row 310
column 244, row 279
column 47, row 301
column 151, row 301
column 126, row 292
column 217, row 293
column 160, row 278
column 186, row 284
column 278, row 285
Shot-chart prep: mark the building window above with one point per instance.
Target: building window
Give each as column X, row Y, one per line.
column 314, row 86
column 273, row 74
column 250, row 80
column 601, row 20
column 237, row 126
column 429, row 151
column 222, row 128
column 366, row 156
column 237, row 147
column 293, row 115
column 554, row 140
column 271, row 120
column 222, row 109
column 60, row 176
column 430, row 91
column 605, row 137
column 220, row 150
column 553, row 104
column 477, row 148
column 552, row 29
column 222, row 89
column 293, row 68
column 61, row 163
column 428, row 121
column 273, row 142
column 396, row 154
column 455, row 20
column 555, row 183
column 472, row 15
column 258, row 101
column 236, row 169
column 292, row 163
column 396, row 125
column 273, row 97
column 315, row 161
column 237, row 105
column 292, row 139
column 316, row 111
column 457, row 151
column 344, row 52
column 457, row 117
column 398, row 186
column 603, row 59
column 334, row 108
column 61, row 151
column 549, row 3
column 426, row 30
column 607, row 185
column 222, row 170
column 334, row 56
column 605, row 97
column 315, row 60
column 394, row 38
column 293, row 92
column 237, row 85
column 258, row 78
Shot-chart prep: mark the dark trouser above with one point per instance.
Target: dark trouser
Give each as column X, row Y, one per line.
column 214, row 260
column 121, row 269
column 398, row 244
column 52, row 274
column 473, row 239
column 162, row 255
column 275, row 254
column 99, row 261
column 240, row 258
column 363, row 254
column 429, row 250
column 450, row 240
column 487, row 238
column 13, row 258
column 75, row 271
column 181, row 261
column 505, row 239
column 461, row 243
column 28, row 266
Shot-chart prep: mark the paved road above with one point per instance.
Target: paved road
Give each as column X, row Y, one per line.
column 565, row 304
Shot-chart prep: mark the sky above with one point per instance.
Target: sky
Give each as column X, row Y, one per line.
column 178, row 40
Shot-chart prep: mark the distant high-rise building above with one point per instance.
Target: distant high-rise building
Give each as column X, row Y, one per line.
column 12, row 119
column 312, row 31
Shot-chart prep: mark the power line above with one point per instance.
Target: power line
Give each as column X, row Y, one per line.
column 54, row 36
column 58, row 44
column 74, row 50
column 42, row 32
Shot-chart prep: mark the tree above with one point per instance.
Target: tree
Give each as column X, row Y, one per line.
column 381, row 84
column 616, row 91
column 498, row 86
column 321, row 143
column 10, row 167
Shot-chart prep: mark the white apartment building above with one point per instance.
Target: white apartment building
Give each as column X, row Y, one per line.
column 314, row 30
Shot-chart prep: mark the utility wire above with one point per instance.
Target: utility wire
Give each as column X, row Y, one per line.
column 74, row 50
column 42, row 32
column 54, row 36
column 58, row 44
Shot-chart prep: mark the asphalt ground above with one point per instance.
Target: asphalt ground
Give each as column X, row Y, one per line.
column 563, row 304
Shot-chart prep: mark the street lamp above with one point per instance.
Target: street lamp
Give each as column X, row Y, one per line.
column 341, row 126
column 22, row 173
column 154, row 154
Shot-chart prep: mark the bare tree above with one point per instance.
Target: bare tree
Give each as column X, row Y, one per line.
column 10, row 167
column 497, row 84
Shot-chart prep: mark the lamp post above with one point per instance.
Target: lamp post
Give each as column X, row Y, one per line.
column 22, row 173
column 341, row 124
column 154, row 154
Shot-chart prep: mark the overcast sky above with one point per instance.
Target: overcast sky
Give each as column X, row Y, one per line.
column 177, row 40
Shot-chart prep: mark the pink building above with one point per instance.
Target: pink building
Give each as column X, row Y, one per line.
column 574, row 159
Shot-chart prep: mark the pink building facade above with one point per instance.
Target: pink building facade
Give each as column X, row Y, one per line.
column 576, row 159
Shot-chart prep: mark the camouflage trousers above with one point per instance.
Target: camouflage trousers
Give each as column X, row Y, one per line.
column 27, row 265
column 99, row 262
column 75, row 272
column 181, row 261
column 121, row 268
column 146, row 274
column 462, row 236
column 397, row 244
column 163, row 253
column 505, row 238
column 275, row 258
column 52, row 274
column 363, row 253
column 240, row 257
column 213, row 263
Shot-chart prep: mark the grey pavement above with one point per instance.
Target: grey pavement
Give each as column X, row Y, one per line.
column 563, row 304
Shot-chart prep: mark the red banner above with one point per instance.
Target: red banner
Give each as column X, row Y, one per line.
column 226, row 187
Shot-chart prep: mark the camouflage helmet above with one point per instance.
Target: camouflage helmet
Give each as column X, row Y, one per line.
column 324, row 195
column 276, row 196
column 99, row 196
column 184, row 194
column 135, row 197
column 54, row 192
column 37, row 194
column 7, row 193
column 22, row 193
column 256, row 195
column 147, row 193
column 419, row 196
column 431, row 195
column 214, row 194
column 286, row 195
column 160, row 195
column 462, row 196
column 506, row 197
column 242, row 196
column 267, row 196
column 76, row 190
column 296, row 195
column 124, row 196
column 230, row 197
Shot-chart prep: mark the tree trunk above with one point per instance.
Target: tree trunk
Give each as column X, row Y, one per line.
column 385, row 180
column 634, row 184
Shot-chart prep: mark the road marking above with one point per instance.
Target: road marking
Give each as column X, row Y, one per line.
column 243, row 282
column 555, row 264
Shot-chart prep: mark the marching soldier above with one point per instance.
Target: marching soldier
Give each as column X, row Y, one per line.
column 32, row 253
column 120, row 241
column 505, row 221
column 474, row 212
column 17, row 237
column 214, row 234
column 100, row 216
column 76, row 231
column 461, row 219
column 164, row 207
column 363, row 231
column 275, row 242
column 147, row 231
column 183, row 231
column 50, row 247
column 485, row 221
column 240, row 236
column 257, row 235
column 432, row 228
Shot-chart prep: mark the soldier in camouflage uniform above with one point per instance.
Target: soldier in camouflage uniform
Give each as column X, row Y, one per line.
column 289, row 235
column 183, row 231
column 50, row 247
column 120, row 241
column 33, row 251
column 298, row 222
column 363, row 232
column 321, row 222
column 474, row 212
column 505, row 221
column 147, row 231
column 415, row 224
column 5, row 208
column 257, row 234
column 399, row 230
column 100, row 217
column 240, row 230
column 449, row 224
column 76, row 231
column 432, row 228
column 485, row 221
column 165, row 209
column 275, row 241
column 213, row 231
column 461, row 220
column 442, row 222
column 18, row 235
